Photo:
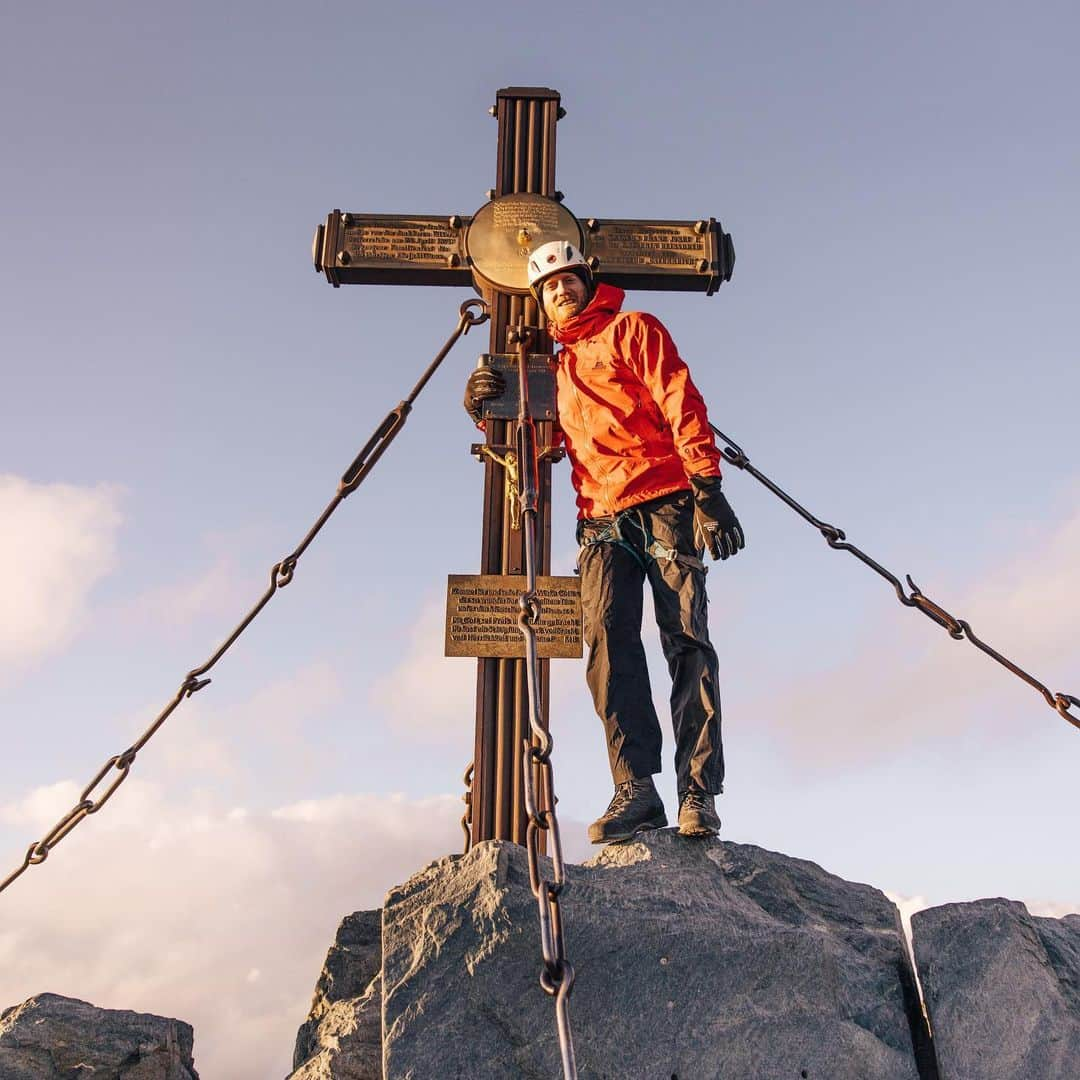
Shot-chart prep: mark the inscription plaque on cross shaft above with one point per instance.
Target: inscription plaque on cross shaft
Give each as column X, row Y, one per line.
column 488, row 251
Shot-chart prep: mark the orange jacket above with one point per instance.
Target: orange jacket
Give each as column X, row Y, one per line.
column 634, row 422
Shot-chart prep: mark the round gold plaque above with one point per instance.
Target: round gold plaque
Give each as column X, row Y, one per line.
column 504, row 232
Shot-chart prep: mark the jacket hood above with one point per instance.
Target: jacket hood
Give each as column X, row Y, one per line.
column 602, row 308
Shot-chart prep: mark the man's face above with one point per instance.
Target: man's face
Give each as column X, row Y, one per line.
column 564, row 295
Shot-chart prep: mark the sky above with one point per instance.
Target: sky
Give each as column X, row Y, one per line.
column 897, row 349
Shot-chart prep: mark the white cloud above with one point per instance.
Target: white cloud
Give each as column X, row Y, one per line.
column 908, row 906
column 906, row 684
column 41, row 806
column 1053, row 909
column 219, row 916
column 274, row 719
column 1034, row 596
column 57, row 542
column 178, row 604
column 427, row 693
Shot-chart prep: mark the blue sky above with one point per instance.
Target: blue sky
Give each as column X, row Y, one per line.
column 897, row 349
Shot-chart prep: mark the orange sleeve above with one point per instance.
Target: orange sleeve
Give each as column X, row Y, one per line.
column 653, row 356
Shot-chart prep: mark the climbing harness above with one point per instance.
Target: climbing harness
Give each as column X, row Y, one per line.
column 957, row 628
column 472, row 313
column 611, row 531
column 557, row 974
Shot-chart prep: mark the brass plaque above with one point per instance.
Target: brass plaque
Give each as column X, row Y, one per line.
column 409, row 242
column 482, row 613
column 503, row 234
column 668, row 247
column 391, row 249
column 689, row 256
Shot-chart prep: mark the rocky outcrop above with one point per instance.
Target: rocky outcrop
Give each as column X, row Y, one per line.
column 1002, row 990
column 49, row 1037
column 695, row 959
column 342, row 1036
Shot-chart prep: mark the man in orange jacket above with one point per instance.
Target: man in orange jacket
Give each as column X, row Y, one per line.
column 646, row 471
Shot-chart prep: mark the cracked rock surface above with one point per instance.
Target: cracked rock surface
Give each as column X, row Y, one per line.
column 49, row 1037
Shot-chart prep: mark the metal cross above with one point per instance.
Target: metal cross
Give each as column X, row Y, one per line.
column 488, row 252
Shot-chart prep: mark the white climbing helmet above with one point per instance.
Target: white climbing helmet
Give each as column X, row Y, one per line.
column 555, row 257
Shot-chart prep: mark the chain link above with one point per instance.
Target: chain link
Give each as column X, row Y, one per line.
column 557, row 973
column 958, row 629
column 472, row 313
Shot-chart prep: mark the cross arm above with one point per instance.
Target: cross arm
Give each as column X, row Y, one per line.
column 492, row 247
column 673, row 256
column 391, row 249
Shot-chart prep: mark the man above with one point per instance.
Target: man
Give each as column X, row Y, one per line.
column 647, row 475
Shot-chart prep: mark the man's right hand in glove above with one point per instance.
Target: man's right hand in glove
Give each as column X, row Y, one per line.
column 482, row 384
column 716, row 528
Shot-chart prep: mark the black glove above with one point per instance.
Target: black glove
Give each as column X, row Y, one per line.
column 716, row 528
column 482, row 384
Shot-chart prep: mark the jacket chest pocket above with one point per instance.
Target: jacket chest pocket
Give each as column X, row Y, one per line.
column 643, row 410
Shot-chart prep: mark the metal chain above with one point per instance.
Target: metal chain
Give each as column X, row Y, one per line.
column 956, row 628
column 557, row 974
column 472, row 313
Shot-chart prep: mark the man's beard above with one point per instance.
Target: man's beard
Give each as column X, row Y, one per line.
column 569, row 308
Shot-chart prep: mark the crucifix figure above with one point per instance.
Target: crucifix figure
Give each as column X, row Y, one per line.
column 490, row 251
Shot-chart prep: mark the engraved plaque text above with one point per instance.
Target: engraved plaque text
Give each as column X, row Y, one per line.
column 504, row 233
column 403, row 241
column 482, row 613
column 664, row 247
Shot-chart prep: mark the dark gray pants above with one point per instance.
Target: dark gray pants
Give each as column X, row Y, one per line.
column 614, row 562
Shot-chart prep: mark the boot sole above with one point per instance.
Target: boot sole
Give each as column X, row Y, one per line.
column 699, row 830
column 648, row 826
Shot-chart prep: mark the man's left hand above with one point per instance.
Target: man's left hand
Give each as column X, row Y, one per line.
column 716, row 528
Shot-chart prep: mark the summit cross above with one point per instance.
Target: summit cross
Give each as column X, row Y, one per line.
column 488, row 252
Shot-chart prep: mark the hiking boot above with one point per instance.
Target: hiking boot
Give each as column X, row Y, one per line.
column 636, row 806
column 697, row 813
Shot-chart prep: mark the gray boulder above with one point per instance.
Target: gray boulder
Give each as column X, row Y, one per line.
column 49, row 1037
column 1002, row 990
column 342, row 1036
column 695, row 959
